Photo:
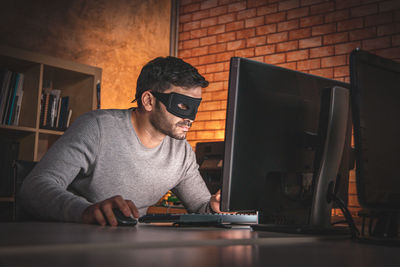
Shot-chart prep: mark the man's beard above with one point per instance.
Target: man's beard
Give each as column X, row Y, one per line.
column 161, row 123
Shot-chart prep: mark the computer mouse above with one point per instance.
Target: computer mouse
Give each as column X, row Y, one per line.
column 124, row 220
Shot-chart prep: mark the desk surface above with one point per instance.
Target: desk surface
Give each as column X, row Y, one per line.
column 64, row 244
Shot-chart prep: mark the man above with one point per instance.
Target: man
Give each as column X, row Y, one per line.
column 125, row 159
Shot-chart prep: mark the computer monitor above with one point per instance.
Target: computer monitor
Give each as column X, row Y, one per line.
column 375, row 98
column 287, row 139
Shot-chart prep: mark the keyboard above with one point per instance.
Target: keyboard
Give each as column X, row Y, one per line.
column 195, row 218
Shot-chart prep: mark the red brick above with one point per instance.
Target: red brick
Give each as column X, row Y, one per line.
column 275, row 58
column 216, row 29
column 288, row 25
column 264, row 10
column 322, row 8
column 311, row 21
column 234, row 26
column 249, row 52
column 288, row 4
column 310, row 42
column 333, row 61
column 298, row 13
column 254, row 22
column 362, row 34
column 223, row 94
column 289, row 65
column 216, row 11
column 217, row 48
column 277, row 37
column 266, row 29
column 322, row 51
column 226, row 18
column 256, row 3
column 191, row 43
column 299, row 34
column 217, row 67
column 243, row 34
column 388, row 29
column 337, row 16
column 365, row 10
column 343, row 71
column 310, row 2
column 308, row 64
column 185, row 18
column 350, row 24
column 207, row 59
column 277, row 17
column 186, row 53
column 193, row 61
column 336, row 38
column 259, row 59
column 198, row 15
column 297, row 55
column 191, row 8
column 209, row 77
column 185, row 2
column 208, row 4
column 234, row 45
column 389, row 5
column 191, row 26
column 198, row 33
column 377, row 43
column 183, row 36
column 208, row 22
column 215, row 86
column 393, row 53
column 346, row 48
column 287, row 46
column 246, row 14
column 201, row 70
column 218, row 115
column 235, row 7
column 225, row 37
column 199, row 51
column 224, row 56
column 264, row 50
column 180, row 45
column 208, row 40
column 256, row 41
column 342, row 4
column 383, row 18
column 323, row 29
column 327, row 73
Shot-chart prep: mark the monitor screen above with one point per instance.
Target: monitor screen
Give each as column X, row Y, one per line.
column 375, row 99
column 272, row 141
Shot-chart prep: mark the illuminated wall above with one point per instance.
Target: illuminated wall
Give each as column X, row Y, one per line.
column 118, row 36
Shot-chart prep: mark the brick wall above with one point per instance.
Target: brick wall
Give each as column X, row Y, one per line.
column 312, row 36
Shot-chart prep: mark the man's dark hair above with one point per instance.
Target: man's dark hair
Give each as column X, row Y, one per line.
column 162, row 72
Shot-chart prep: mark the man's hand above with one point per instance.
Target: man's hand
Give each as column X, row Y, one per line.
column 214, row 202
column 101, row 212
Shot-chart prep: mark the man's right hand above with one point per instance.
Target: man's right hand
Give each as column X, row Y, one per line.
column 101, row 212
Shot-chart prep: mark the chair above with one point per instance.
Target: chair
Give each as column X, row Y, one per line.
column 21, row 169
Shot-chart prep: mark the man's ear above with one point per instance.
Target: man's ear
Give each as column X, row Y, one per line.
column 148, row 101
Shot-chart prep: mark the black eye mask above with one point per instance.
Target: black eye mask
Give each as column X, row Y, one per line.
column 180, row 105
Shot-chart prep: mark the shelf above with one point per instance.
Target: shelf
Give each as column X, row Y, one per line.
column 7, row 199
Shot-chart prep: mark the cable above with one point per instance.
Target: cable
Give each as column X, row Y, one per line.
column 349, row 219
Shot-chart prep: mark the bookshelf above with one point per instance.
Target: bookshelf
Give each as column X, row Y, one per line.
column 77, row 81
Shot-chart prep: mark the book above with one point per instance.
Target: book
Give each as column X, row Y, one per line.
column 20, row 94
column 10, row 92
column 12, row 99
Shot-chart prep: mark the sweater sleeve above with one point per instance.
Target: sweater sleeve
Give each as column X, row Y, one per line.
column 192, row 190
column 44, row 191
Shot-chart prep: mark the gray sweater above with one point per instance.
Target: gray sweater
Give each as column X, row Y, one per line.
column 101, row 156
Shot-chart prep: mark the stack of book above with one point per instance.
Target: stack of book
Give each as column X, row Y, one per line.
column 54, row 112
column 11, row 93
